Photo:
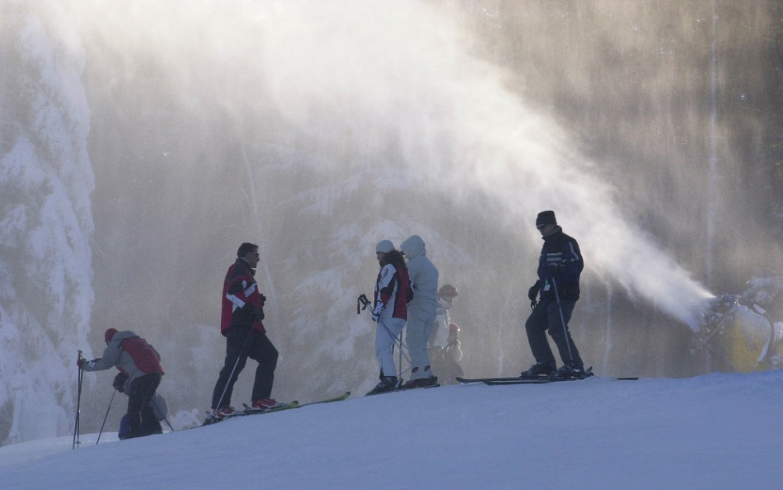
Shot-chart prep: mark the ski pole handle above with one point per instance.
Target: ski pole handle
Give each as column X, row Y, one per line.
column 362, row 302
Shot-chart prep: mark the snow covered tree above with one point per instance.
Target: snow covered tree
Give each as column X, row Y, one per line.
column 45, row 220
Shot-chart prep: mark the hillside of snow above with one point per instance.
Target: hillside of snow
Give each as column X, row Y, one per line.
column 719, row 431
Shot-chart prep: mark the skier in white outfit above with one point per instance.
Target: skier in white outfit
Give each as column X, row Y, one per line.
column 390, row 311
column 421, row 310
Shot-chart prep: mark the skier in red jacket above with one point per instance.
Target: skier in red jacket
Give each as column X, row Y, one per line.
column 133, row 356
column 240, row 323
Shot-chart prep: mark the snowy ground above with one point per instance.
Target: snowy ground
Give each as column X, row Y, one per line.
column 721, row 431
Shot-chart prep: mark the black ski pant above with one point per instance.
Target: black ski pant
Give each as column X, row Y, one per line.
column 241, row 343
column 546, row 315
column 140, row 411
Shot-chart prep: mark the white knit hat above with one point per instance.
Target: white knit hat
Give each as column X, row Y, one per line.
column 384, row 246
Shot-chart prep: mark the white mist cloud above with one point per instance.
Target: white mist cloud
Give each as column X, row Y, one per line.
column 356, row 72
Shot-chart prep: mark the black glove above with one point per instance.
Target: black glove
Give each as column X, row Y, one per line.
column 81, row 362
column 263, row 300
column 532, row 293
column 119, row 382
column 255, row 314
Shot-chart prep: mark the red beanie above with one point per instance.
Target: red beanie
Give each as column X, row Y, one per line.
column 109, row 334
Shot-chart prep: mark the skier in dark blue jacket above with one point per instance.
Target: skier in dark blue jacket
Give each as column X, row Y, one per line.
column 559, row 267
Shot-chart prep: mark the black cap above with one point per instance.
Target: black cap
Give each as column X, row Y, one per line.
column 546, row 218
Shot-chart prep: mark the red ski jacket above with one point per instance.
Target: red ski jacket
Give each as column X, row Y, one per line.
column 240, row 298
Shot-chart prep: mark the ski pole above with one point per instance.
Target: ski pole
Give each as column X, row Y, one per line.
column 399, row 344
column 397, row 341
column 231, row 376
column 562, row 321
column 361, row 304
column 78, row 404
column 105, row 417
column 399, row 363
column 161, row 412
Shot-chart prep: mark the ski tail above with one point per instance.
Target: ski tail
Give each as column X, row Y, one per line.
column 342, row 397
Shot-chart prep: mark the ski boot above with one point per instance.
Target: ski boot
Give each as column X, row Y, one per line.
column 387, row 384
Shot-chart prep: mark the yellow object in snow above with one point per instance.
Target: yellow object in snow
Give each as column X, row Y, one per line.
column 744, row 341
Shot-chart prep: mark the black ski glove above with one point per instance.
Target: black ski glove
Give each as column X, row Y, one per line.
column 119, row 382
column 532, row 293
column 257, row 314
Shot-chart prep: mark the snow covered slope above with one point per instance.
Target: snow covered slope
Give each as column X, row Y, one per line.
column 720, row 431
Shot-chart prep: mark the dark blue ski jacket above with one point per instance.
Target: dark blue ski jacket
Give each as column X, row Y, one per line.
column 563, row 253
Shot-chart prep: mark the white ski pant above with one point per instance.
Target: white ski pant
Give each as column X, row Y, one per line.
column 421, row 321
column 386, row 335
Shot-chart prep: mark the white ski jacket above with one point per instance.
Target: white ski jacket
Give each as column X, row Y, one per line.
column 423, row 275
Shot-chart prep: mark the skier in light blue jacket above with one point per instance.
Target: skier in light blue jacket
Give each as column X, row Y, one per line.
column 421, row 310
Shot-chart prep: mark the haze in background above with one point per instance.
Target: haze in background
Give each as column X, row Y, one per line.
column 316, row 129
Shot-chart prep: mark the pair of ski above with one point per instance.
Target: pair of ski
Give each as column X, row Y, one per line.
column 287, row 406
column 535, row 379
